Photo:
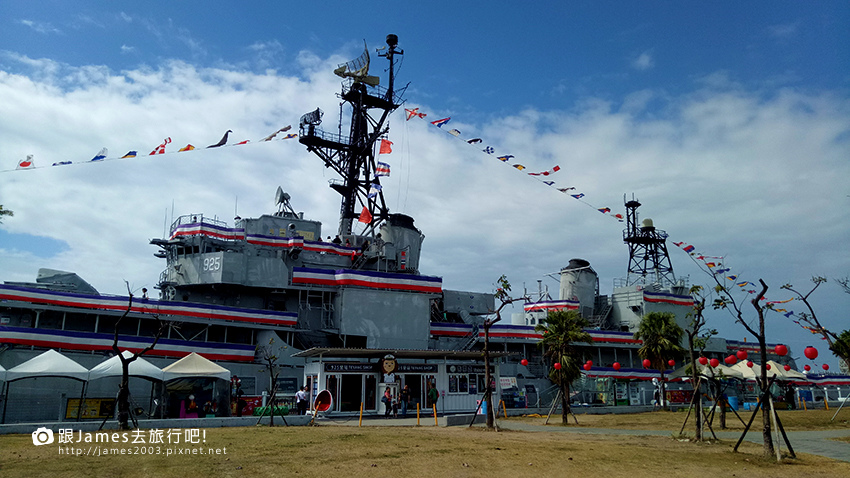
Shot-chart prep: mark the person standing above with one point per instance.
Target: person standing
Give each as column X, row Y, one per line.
column 301, row 401
column 404, row 399
column 433, row 396
column 388, row 402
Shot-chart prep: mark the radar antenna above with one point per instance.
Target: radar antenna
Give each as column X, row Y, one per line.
column 284, row 207
column 649, row 260
column 353, row 157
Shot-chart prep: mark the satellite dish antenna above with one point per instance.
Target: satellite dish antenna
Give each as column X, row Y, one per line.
column 281, row 200
column 358, row 69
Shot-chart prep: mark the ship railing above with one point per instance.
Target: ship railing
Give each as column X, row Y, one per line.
column 196, row 219
column 396, row 96
column 312, row 131
column 652, row 279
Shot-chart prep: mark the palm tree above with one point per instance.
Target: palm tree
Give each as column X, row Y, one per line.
column 661, row 336
column 5, row 212
column 561, row 332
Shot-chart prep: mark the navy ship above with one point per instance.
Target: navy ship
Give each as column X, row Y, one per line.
column 335, row 308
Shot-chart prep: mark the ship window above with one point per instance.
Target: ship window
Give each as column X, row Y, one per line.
column 191, row 331
column 215, row 333
column 50, row 319
column 148, row 328
column 128, row 326
column 80, row 322
column 239, row 335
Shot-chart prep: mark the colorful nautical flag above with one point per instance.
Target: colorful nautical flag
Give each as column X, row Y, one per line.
column 519, row 166
column 291, row 135
column 61, row 163
column 222, row 141
column 732, row 277
column 440, row 122
column 689, row 249
column 546, row 173
column 564, row 190
column 473, row 141
column 101, row 155
column 271, row 136
column 374, row 190
column 188, row 147
column 365, row 216
column 161, row 148
column 383, row 169
column 130, row 154
column 26, row 163
column 505, row 158
column 604, row 210
column 549, row 183
column 577, row 196
column 454, row 132
column 386, row 147
column 242, row 142
column 489, row 150
column 414, row 112
column 619, row 216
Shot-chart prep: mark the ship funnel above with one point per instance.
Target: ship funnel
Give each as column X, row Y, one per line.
column 580, row 282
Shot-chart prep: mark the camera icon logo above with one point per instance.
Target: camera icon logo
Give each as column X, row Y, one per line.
column 42, row 436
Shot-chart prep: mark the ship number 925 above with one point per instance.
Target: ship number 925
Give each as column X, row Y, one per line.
column 212, row 264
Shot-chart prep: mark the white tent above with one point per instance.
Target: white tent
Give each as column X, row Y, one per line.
column 777, row 370
column 138, row 368
column 48, row 364
column 719, row 372
column 195, row 366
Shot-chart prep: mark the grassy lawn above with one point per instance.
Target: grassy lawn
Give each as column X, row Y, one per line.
column 332, row 451
column 792, row 420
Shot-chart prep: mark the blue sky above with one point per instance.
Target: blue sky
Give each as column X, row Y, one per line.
column 730, row 122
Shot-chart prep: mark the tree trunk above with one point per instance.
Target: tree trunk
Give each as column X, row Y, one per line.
column 698, row 396
column 124, row 402
column 565, row 403
column 488, row 392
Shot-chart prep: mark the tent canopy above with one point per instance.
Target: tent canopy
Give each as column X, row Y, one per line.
column 195, row 366
column 48, row 364
column 719, row 372
column 138, row 368
column 2, row 374
column 776, row 370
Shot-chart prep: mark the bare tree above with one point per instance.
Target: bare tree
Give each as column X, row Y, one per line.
column 697, row 338
column 503, row 295
column 810, row 321
column 269, row 357
column 124, row 386
column 5, row 212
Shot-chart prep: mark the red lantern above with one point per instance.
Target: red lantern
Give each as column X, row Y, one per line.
column 780, row 350
column 524, row 362
column 806, row 368
column 742, row 355
column 616, row 365
column 714, row 362
column 750, row 364
column 671, row 363
column 811, row 353
column 557, row 365
column 825, row 367
column 703, row 360
column 646, row 363
column 590, row 362
column 767, row 367
column 730, row 360
column 787, row 367
column 587, row 366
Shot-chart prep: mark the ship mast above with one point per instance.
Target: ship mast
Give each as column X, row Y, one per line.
column 353, row 157
column 648, row 256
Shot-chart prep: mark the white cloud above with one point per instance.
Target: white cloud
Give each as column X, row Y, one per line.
column 644, row 61
column 758, row 178
column 40, row 27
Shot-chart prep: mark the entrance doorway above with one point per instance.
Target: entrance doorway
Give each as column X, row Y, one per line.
column 415, row 384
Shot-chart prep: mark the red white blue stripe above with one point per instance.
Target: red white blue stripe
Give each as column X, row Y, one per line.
column 368, row 279
column 445, row 329
column 209, row 230
column 71, row 340
column 665, row 298
column 505, row 331
column 624, row 373
column 148, row 306
column 548, row 305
